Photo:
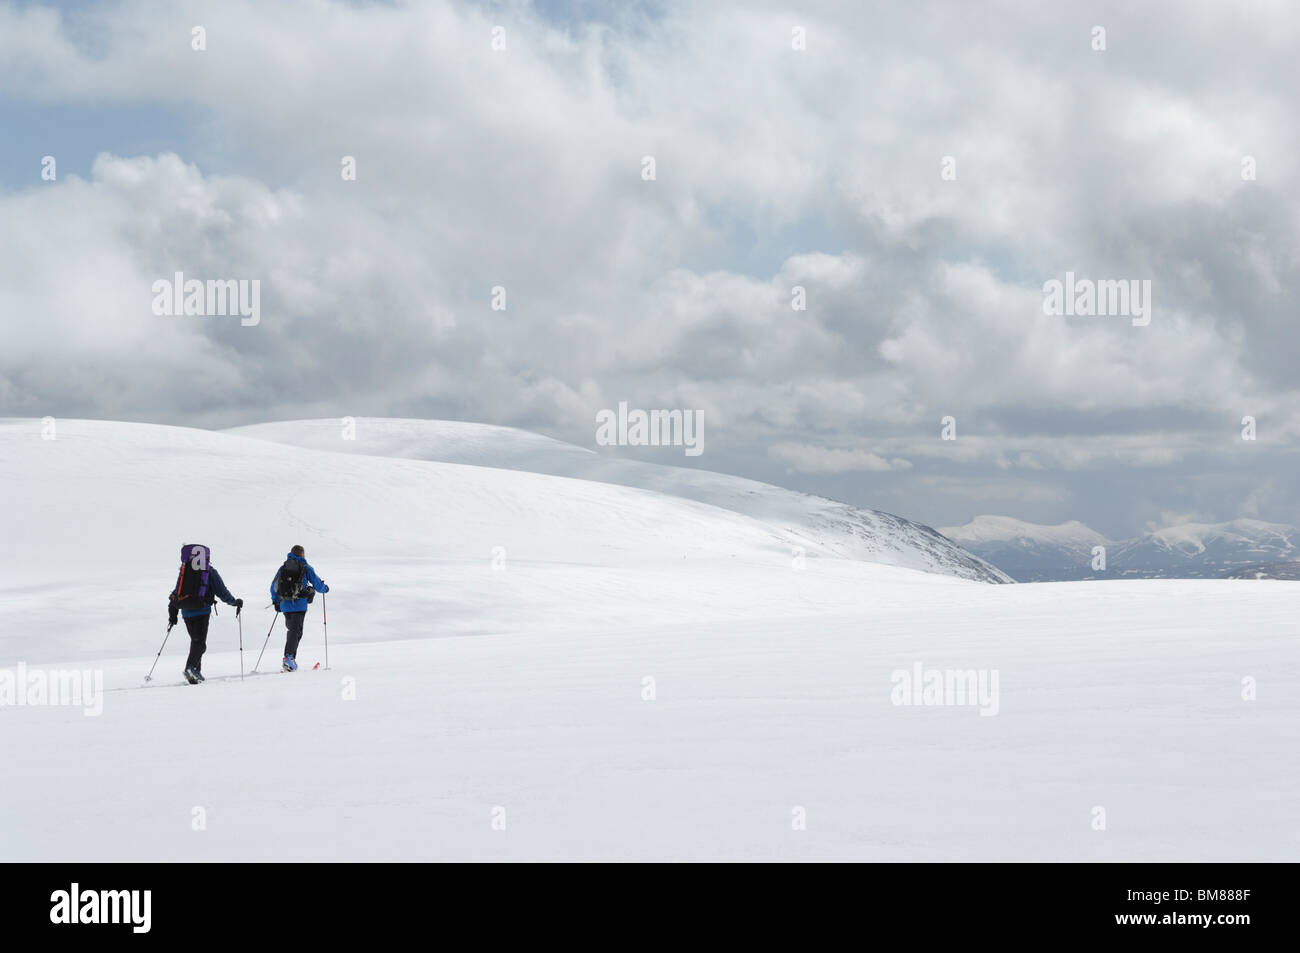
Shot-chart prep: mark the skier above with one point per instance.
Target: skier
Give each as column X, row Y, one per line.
column 291, row 592
column 198, row 587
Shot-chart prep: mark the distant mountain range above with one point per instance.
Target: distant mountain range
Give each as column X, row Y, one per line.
column 1031, row 552
column 1283, row 570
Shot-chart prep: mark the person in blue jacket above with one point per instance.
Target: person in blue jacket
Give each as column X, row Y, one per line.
column 294, row 587
column 198, row 587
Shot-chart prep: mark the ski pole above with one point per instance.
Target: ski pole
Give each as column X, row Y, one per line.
column 267, row 642
column 149, row 677
column 240, row 620
column 325, row 620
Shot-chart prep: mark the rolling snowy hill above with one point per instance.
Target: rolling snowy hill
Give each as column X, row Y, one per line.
column 527, row 666
column 811, row 522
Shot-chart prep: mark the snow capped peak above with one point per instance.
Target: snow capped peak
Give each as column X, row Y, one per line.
column 1197, row 537
column 987, row 529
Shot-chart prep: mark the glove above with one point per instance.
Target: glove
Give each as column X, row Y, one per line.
column 276, row 605
column 323, row 587
column 239, row 604
column 171, row 624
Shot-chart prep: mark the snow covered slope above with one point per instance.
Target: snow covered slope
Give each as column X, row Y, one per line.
column 812, row 522
column 630, row 676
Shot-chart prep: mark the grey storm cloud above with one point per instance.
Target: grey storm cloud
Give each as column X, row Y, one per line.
column 522, row 168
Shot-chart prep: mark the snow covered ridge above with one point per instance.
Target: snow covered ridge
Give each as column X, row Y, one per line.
column 814, row 525
column 1032, row 552
column 985, row 529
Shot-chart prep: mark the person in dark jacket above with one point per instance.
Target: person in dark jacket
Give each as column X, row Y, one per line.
column 294, row 604
column 198, row 587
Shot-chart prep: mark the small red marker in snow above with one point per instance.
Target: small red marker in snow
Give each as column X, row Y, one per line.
column 316, row 666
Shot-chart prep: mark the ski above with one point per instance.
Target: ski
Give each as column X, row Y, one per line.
column 207, row 678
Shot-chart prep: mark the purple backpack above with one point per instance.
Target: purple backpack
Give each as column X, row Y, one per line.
column 192, row 590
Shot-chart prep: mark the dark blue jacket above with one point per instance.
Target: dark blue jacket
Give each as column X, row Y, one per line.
column 217, row 587
column 296, row 605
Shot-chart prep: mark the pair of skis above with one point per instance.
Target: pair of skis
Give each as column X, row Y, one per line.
column 324, row 620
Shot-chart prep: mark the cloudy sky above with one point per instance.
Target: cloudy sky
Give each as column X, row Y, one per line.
column 1171, row 155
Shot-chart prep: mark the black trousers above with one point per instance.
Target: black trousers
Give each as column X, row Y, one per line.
column 293, row 626
column 197, row 627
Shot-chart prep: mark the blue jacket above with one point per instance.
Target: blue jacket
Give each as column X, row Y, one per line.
column 216, row 586
column 297, row 605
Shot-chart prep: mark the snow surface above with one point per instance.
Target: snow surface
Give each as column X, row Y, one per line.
column 521, row 687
